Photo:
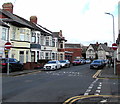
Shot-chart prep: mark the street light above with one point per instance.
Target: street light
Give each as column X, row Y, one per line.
column 113, row 40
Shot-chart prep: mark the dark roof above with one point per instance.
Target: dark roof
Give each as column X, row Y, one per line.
column 70, row 45
column 95, row 47
column 3, row 24
column 56, row 34
column 21, row 22
column 13, row 19
column 106, row 48
column 48, row 32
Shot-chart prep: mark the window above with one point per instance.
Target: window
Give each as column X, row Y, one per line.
column 4, row 34
column 53, row 42
column 27, row 37
column 22, row 38
column 33, row 39
column 61, row 45
column 42, row 40
column 13, row 33
column 46, row 56
column 22, row 31
column 38, row 38
column 47, row 41
column 53, row 56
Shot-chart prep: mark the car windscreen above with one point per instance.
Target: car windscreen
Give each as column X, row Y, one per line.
column 96, row 61
column 76, row 60
column 62, row 61
column 52, row 62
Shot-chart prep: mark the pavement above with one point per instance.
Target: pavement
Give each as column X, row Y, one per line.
column 108, row 72
column 17, row 73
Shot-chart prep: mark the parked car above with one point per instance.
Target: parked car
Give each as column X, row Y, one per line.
column 88, row 61
column 14, row 64
column 65, row 63
column 52, row 65
column 82, row 61
column 76, row 62
column 97, row 64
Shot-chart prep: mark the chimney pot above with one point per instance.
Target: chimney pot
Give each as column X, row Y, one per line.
column 8, row 7
column 33, row 19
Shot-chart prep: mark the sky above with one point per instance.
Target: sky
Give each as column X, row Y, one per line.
column 81, row 21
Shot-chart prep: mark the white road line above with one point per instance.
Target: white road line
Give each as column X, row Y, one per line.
column 98, row 91
column 90, row 87
column 96, row 94
column 98, row 87
column 86, row 94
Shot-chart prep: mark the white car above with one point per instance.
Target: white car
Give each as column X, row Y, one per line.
column 52, row 65
column 88, row 61
column 65, row 63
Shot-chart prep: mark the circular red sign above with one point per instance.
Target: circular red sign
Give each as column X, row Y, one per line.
column 114, row 46
column 8, row 45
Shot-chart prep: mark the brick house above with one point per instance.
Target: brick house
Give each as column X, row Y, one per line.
column 72, row 51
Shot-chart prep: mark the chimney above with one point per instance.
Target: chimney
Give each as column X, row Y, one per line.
column 106, row 43
column 97, row 44
column 33, row 19
column 8, row 7
column 60, row 33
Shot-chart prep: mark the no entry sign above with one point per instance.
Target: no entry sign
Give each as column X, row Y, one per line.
column 8, row 45
column 114, row 46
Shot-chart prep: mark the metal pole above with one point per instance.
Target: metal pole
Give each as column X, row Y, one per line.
column 8, row 64
column 113, row 41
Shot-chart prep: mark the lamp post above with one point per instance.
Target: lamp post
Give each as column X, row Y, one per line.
column 113, row 40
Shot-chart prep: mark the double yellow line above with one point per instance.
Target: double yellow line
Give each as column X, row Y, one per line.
column 76, row 98
column 97, row 73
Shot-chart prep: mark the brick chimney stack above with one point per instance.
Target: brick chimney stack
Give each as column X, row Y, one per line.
column 8, row 7
column 60, row 33
column 33, row 19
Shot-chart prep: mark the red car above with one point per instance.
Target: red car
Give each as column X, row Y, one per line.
column 76, row 62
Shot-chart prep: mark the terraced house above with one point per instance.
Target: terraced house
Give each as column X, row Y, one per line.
column 19, row 33
column 30, row 41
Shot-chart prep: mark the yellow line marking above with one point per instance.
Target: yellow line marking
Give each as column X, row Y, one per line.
column 70, row 99
column 97, row 73
column 73, row 99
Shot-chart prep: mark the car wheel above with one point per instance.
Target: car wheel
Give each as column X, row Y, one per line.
column 56, row 67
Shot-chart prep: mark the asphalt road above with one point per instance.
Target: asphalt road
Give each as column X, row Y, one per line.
column 56, row 86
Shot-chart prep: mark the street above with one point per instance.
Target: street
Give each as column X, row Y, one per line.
column 57, row 86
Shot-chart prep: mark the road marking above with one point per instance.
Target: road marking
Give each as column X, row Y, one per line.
column 98, row 87
column 96, row 74
column 27, row 74
column 90, row 87
column 74, row 99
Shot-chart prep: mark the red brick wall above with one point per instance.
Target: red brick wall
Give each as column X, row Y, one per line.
column 77, row 52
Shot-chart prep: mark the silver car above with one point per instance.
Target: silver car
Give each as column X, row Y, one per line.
column 65, row 63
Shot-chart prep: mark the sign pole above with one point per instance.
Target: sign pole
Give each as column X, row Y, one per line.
column 7, row 47
column 114, row 46
column 8, row 64
column 114, row 64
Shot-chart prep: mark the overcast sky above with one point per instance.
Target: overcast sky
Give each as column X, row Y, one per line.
column 81, row 21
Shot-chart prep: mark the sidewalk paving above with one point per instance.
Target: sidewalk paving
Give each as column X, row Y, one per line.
column 21, row 72
column 108, row 73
